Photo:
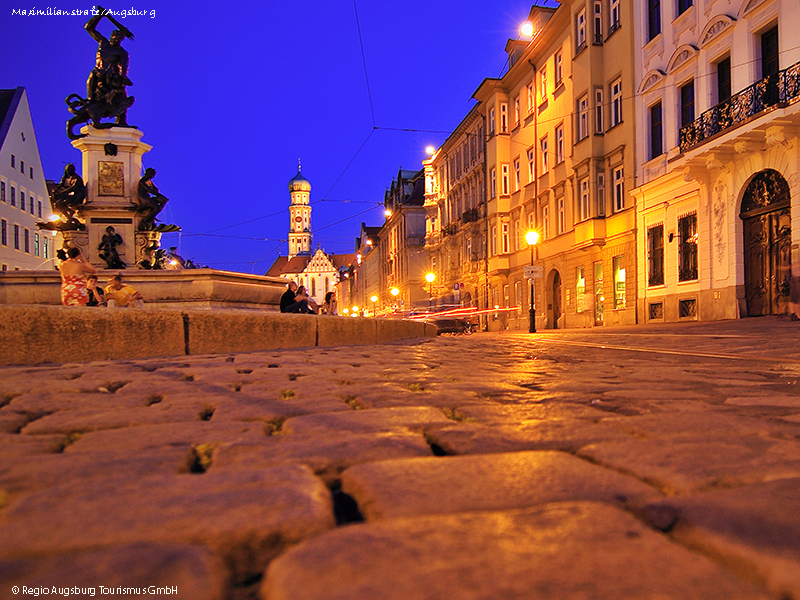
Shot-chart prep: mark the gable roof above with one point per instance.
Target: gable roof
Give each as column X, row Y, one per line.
column 9, row 101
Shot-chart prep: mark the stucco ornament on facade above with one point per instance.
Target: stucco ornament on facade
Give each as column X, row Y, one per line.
column 715, row 27
column 681, row 56
column 719, row 213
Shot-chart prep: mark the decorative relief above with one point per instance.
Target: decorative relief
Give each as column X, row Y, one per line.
column 681, row 56
column 719, row 211
column 776, row 135
column 749, row 6
column 714, row 28
column 650, row 80
column 110, row 178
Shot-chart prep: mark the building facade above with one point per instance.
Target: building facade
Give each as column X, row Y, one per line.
column 455, row 216
column 24, row 200
column 559, row 161
column 718, row 193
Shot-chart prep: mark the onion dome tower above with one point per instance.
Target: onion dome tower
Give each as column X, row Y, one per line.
column 299, row 216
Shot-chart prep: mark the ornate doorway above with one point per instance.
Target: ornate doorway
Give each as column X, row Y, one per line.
column 767, row 240
column 556, row 298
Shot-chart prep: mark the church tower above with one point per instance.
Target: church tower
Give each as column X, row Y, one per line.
column 299, row 216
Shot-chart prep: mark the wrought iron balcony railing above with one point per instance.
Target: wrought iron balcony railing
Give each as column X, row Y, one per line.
column 774, row 90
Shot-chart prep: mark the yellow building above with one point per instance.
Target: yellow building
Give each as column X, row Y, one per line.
column 559, row 159
column 455, row 216
column 718, row 194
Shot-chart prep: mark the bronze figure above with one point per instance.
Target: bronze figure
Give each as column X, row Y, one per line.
column 106, row 96
column 108, row 249
column 69, row 195
column 149, row 201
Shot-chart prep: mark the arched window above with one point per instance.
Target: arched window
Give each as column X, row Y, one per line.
column 327, row 285
column 313, row 286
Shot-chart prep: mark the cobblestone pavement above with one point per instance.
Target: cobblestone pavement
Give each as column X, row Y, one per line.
column 650, row 462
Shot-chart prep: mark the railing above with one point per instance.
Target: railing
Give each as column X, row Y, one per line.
column 774, row 90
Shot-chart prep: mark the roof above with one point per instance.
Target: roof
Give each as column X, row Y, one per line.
column 9, row 101
column 285, row 265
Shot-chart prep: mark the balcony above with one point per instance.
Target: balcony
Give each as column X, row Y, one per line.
column 591, row 232
column 774, row 91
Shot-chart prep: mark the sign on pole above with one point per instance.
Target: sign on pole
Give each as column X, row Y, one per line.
column 533, row 271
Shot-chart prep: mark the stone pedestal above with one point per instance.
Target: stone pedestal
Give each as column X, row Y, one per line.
column 112, row 167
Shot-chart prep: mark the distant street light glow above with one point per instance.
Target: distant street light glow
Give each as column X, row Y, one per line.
column 429, row 150
column 527, row 29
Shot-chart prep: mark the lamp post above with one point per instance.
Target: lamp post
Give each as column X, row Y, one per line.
column 532, row 237
column 373, row 299
column 429, row 278
column 395, row 292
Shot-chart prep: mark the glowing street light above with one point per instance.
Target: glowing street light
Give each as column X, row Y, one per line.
column 373, row 299
column 388, row 213
column 430, row 278
column 345, row 311
column 429, row 150
column 526, row 29
column 532, row 237
column 395, row 292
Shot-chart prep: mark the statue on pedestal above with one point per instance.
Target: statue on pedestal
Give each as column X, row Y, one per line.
column 149, row 201
column 106, row 96
column 108, row 249
column 69, row 195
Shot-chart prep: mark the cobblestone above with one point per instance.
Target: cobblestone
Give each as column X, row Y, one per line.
column 648, row 462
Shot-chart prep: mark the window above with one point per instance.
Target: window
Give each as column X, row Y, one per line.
column 30, row 174
column 769, row 52
column 559, row 144
column 503, row 118
column 46, row 247
column 598, row 110
column 543, row 83
column 494, row 240
column 22, row 200
column 506, row 239
column 13, row 196
column 531, row 98
column 583, row 118
column 516, row 111
column 687, row 104
column 653, row 18
column 16, row 237
column 584, row 204
column 517, row 185
column 31, row 205
column 614, row 17
column 616, row 102
column 504, row 188
column 531, row 165
column 601, row 194
column 518, row 293
column 684, row 5
column 561, row 219
column 655, row 255
column 491, row 121
column 656, row 144
column 546, row 222
column 558, row 59
column 2, row 191
column 580, row 290
column 599, row 297
column 724, row 80
column 598, row 22
column 493, row 183
column 687, row 248
column 39, row 207
column 619, row 189
column 580, row 31
column 545, row 155
column 4, row 232
column 36, row 244
column 619, row 282
column 13, row 162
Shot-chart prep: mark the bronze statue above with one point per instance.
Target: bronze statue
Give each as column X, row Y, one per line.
column 108, row 249
column 69, row 195
column 149, row 201
column 106, row 96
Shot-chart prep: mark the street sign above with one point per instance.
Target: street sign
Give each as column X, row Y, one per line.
column 533, row 272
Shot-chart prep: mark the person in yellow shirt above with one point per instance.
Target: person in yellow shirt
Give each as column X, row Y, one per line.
column 121, row 295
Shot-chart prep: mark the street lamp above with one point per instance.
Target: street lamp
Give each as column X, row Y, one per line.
column 532, row 237
column 429, row 278
column 373, row 299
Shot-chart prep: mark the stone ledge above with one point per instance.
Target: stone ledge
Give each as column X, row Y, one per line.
column 34, row 334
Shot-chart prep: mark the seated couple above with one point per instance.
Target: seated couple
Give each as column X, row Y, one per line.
column 295, row 300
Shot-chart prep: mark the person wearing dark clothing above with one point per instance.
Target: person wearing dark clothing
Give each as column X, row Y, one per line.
column 288, row 302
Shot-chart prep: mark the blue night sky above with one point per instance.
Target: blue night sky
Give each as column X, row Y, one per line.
column 230, row 96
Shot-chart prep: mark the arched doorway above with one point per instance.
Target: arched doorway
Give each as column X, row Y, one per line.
column 556, row 291
column 767, row 228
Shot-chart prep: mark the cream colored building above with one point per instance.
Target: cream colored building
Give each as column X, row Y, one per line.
column 718, row 187
column 24, row 200
column 559, row 160
column 455, row 216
